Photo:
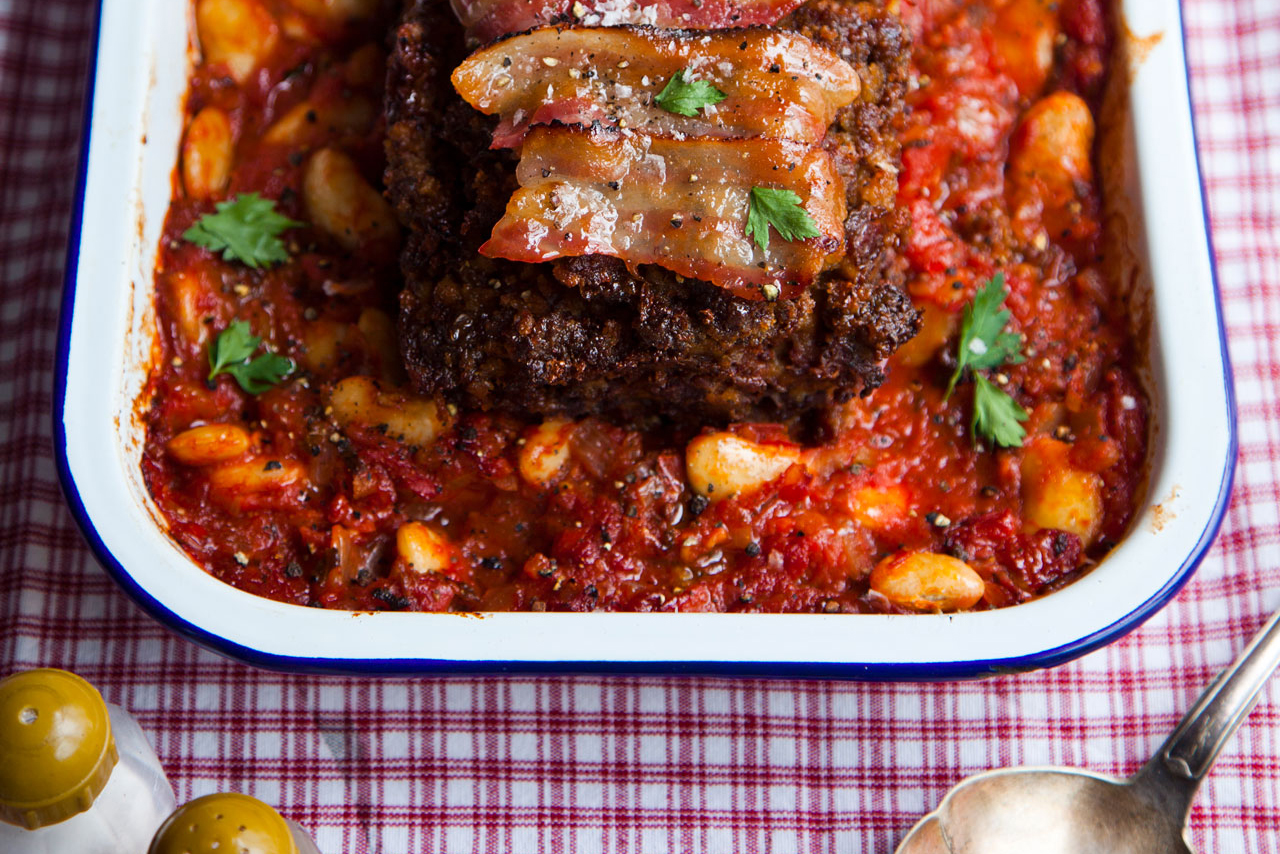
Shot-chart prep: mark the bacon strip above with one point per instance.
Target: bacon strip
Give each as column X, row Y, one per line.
column 678, row 204
column 778, row 84
column 487, row 20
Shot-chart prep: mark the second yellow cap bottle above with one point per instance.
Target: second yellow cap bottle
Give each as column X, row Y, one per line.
column 221, row 823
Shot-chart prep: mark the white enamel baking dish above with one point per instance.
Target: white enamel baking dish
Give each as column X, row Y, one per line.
column 133, row 127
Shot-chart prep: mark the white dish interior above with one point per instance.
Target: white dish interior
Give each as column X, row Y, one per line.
column 137, row 113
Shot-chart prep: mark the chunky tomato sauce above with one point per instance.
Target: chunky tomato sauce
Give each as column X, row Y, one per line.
column 416, row 506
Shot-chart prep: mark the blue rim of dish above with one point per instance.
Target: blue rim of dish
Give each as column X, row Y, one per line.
column 888, row 671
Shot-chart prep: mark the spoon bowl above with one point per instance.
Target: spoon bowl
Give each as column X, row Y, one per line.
column 1070, row 811
column 1049, row 811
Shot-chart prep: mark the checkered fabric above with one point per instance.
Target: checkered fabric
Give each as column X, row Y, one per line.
column 629, row 764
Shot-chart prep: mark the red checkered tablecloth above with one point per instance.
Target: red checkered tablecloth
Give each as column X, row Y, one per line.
column 629, row 764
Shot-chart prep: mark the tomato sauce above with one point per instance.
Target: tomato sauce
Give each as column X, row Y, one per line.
column 305, row 507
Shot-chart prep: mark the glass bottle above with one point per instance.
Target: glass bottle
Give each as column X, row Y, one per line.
column 77, row 774
column 227, row 822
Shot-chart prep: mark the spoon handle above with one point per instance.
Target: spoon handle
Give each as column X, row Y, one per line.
column 1175, row 771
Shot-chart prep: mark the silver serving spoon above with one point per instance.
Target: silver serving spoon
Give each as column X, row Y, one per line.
column 1069, row 811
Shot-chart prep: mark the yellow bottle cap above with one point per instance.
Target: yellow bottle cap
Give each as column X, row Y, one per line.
column 56, row 748
column 224, row 824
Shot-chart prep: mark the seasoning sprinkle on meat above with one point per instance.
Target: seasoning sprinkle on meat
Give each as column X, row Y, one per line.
column 562, row 79
column 575, row 214
column 487, row 20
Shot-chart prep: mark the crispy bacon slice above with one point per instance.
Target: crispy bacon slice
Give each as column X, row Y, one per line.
column 680, row 204
column 487, row 20
column 778, row 84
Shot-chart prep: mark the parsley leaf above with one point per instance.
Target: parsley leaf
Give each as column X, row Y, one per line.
column 262, row 373
column 230, row 355
column 996, row 414
column 985, row 345
column 984, row 321
column 781, row 209
column 685, row 97
column 983, row 342
column 234, row 344
column 245, row 229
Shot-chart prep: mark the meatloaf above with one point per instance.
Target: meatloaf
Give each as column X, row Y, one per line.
column 585, row 335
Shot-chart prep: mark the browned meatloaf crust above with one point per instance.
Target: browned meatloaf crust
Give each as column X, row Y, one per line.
column 583, row 335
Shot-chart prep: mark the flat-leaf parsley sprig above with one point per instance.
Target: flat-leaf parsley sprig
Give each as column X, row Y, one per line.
column 781, row 209
column 245, row 229
column 230, row 354
column 685, row 97
column 984, row 346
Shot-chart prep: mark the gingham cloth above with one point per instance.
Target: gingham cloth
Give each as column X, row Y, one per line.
column 656, row 764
